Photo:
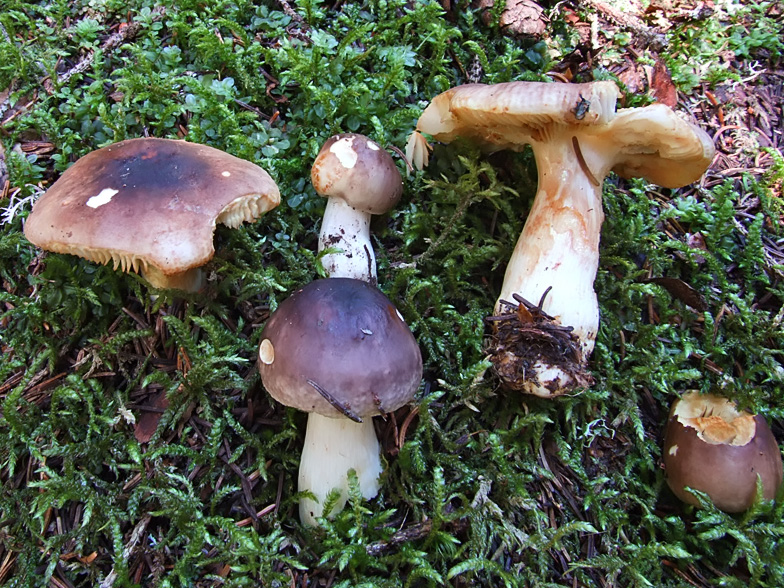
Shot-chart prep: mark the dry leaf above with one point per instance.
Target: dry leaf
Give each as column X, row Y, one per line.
column 519, row 18
column 682, row 291
column 662, row 88
column 147, row 423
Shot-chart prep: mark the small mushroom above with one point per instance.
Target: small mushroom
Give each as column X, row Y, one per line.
column 547, row 315
column 150, row 205
column 711, row 446
column 360, row 179
column 339, row 350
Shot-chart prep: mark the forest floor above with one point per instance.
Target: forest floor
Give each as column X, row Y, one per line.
column 137, row 444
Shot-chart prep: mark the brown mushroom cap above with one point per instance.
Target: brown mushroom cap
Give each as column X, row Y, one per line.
column 712, row 447
column 149, row 203
column 336, row 346
column 354, row 168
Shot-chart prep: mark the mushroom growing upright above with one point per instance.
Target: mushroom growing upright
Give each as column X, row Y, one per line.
column 547, row 315
column 150, row 205
column 360, row 179
column 711, row 446
column 339, row 350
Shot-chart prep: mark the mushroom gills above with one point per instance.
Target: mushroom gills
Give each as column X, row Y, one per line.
column 245, row 209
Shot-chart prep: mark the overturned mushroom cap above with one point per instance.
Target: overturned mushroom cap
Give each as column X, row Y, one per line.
column 501, row 116
column 339, row 347
column 357, row 170
column 149, row 204
column 650, row 142
column 656, row 144
column 509, row 115
column 577, row 137
column 713, row 447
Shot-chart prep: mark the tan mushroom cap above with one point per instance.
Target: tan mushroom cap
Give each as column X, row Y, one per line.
column 651, row 142
column 713, row 447
column 510, row 114
column 149, row 204
column 656, row 144
column 356, row 169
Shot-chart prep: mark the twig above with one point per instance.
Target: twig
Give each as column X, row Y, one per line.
column 136, row 535
column 411, row 533
column 652, row 37
column 339, row 406
column 125, row 33
column 290, row 12
column 583, row 165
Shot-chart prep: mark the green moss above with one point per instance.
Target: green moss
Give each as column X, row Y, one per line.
column 481, row 487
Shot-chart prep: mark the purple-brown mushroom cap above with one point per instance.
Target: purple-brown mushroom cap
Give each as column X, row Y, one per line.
column 712, row 447
column 344, row 337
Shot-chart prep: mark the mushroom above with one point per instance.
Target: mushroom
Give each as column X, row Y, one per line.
column 150, row 205
column 711, row 446
column 547, row 315
column 359, row 179
column 340, row 350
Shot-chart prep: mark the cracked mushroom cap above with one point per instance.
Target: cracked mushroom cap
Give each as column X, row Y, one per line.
column 356, row 169
column 651, row 142
column 713, row 447
column 149, row 204
column 656, row 144
column 339, row 347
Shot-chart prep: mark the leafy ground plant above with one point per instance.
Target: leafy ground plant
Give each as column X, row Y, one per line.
column 137, row 446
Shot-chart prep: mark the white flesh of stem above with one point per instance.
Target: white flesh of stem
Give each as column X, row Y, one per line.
column 559, row 245
column 191, row 280
column 348, row 229
column 332, row 448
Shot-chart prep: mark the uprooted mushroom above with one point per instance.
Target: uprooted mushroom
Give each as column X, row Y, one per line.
column 547, row 315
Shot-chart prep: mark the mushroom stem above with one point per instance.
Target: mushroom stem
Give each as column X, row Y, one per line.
column 347, row 229
column 333, row 446
column 555, row 260
column 191, row 280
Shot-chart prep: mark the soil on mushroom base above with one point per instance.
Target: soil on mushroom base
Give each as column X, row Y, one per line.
column 524, row 335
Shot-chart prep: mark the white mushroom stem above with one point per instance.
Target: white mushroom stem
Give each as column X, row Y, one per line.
column 191, row 280
column 559, row 245
column 558, row 250
column 333, row 447
column 348, row 229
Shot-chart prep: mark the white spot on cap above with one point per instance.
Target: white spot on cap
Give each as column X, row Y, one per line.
column 266, row 352
column 226, row 174
column 373, row 145
column 400, row 316
column 344, row 151
column 673, row 450
column 103, row 197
